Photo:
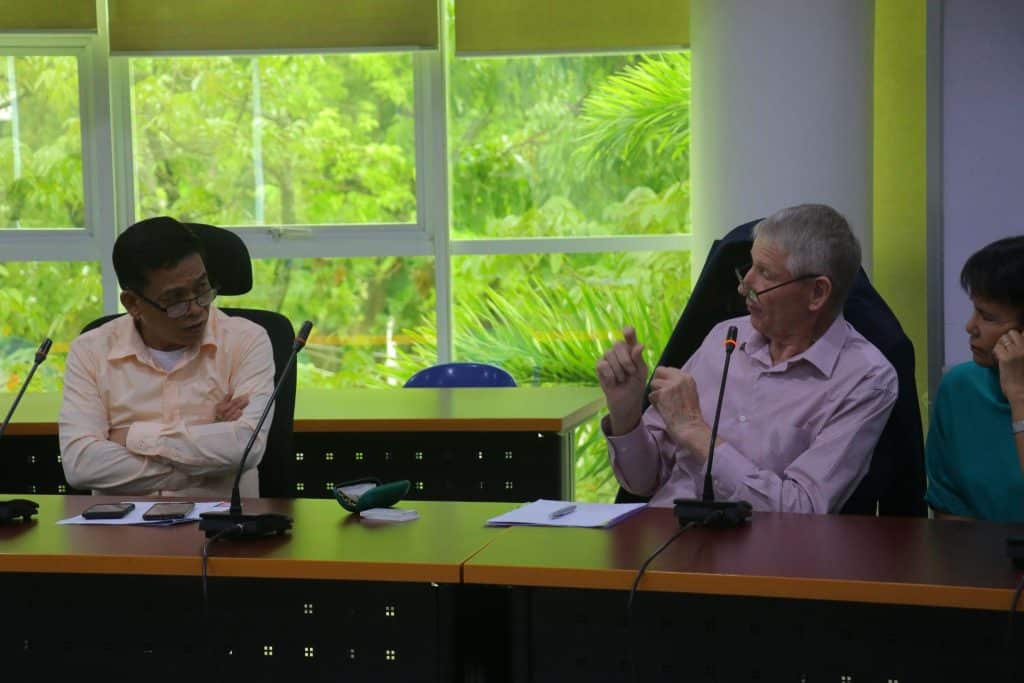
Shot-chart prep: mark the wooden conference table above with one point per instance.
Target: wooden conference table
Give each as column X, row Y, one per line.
column 788, row 598
column 507, row 444
column 337, row 599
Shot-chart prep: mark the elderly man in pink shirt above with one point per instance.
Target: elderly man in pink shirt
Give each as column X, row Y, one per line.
column 806, row 399
column 163, row 400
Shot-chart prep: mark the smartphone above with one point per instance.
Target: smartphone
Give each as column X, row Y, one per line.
column 162, row 511
column 108, row 510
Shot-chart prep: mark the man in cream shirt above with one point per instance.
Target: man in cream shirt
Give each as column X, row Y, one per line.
column 162, row 401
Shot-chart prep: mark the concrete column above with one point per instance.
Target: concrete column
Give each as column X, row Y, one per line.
column 781, row 112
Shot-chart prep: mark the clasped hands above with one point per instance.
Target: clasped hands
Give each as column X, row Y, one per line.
column 228, row 409
column 622, row 373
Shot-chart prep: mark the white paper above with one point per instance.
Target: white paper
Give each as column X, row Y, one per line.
column 135, row 516
column 592, row 515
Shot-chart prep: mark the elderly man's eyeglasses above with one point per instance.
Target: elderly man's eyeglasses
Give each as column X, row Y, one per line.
column 179, row 308
column 755, row 295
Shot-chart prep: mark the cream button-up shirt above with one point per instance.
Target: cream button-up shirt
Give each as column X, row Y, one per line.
column 174, row 446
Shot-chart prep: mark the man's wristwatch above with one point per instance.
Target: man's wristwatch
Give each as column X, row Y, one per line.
column 1018, row 426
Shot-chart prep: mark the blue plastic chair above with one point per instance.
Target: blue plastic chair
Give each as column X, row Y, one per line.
column 460, row 375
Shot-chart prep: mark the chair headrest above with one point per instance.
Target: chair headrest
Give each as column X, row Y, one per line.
column 227, row 259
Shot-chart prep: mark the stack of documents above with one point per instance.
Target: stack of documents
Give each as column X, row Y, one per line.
column 561, row 513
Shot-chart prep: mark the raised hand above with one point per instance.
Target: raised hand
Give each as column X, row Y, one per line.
column 622, row 373
column 1009, row 353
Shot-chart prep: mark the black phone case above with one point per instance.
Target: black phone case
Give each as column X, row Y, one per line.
column 108, row 514
column 150, row 516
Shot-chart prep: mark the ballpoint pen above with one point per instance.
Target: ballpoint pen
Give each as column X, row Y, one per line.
column 562, row 512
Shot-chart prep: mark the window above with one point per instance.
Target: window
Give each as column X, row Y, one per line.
column 417, row 206
column 275, row 140
column 53, row 299
column 546, row 318
column 569, row 145
column 40, row 143
column 369, row 313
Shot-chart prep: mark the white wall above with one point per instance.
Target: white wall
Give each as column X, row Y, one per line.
column 982, row 143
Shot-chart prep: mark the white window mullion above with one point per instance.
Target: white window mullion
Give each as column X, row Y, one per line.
column 573, row 245
column 125, row 194
column 319, row 241
column 97, row 154
column 48, row 245
column 432, row 183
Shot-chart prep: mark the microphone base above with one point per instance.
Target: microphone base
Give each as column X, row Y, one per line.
column 715, row 514
column 243, row 526
column 11, row 510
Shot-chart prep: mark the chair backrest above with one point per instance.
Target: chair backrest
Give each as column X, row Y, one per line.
column 230, row 269
column 460, row 375
column 895, row 482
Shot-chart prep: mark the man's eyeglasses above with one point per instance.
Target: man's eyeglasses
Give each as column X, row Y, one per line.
column 179, row 308
column 755, row 296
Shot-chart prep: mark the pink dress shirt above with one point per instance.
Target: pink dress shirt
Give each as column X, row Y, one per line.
column 174, row 447
column 796, row 437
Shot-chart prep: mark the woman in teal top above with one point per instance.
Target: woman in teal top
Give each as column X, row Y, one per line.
column 975, row 449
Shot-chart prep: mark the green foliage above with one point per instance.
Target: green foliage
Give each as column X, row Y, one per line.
column 56, row 299
column 516, row 127
column 640, row 113
column 41, row 165
column 332, row 135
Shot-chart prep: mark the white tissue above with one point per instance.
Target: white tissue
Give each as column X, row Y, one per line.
column 389, row 515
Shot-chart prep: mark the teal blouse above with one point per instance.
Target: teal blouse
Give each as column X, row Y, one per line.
column 971, row 457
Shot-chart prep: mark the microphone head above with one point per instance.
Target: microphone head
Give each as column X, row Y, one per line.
column 44, row 349
column 303, row 335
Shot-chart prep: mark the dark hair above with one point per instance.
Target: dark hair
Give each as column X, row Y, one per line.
column 996, row 272
column 149, row 245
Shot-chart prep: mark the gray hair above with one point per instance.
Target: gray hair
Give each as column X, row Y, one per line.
column 818, row 240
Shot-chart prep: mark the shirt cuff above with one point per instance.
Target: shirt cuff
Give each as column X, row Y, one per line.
column 144, row 438
column 634, row 438
column 729, row 470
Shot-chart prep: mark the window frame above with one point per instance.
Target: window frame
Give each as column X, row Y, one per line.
column 109, row 189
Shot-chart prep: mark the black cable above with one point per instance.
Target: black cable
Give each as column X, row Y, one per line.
column 632, row 594
column 205, row 552
column 1013, row 610
column 206, row 558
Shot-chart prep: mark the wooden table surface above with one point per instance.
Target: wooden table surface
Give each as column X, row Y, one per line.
column 905, row 561
column 541, row 409
column 325, row 543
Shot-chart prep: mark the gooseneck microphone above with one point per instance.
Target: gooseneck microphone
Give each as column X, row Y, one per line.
column 707, row 510
column 44, row 349
column 20, row 507
column 233, row 523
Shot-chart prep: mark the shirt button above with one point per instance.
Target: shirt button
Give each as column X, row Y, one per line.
column 743, row 418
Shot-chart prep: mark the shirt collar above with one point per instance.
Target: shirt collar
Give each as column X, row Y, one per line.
column 822, row 354
column 128, row 342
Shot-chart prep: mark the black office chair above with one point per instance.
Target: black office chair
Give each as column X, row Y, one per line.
column 895, row 482
column 230, row 269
